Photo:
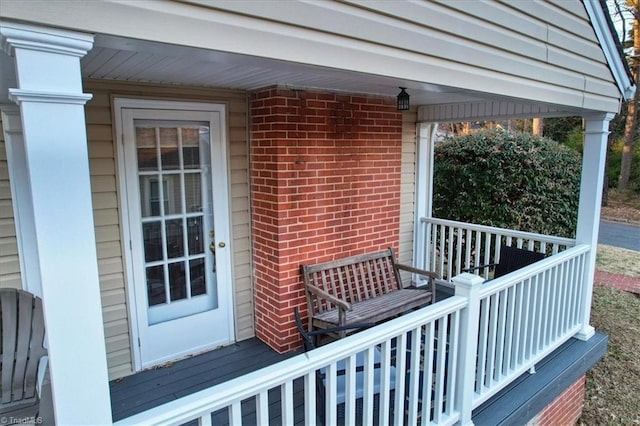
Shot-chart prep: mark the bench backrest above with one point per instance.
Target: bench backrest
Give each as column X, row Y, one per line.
column 352, row 279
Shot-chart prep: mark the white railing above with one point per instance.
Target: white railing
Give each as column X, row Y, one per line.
column 524, row 316
column 415, row 369
column 448, row 247
column 398, row 351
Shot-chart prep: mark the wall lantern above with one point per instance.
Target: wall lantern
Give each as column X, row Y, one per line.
column 403, row 100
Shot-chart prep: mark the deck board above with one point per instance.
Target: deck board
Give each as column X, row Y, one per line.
column 150, row 388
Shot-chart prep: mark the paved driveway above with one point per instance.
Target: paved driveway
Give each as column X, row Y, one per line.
column 620, row 235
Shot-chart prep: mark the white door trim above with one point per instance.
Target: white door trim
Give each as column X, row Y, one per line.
column 125, row 229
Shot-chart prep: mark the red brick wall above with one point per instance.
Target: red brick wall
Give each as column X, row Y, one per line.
column 565, row 409
column 325, row 172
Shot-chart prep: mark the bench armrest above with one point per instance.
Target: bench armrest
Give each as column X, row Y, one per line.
column 346, row 306
column 432, row 275
column 489, row 265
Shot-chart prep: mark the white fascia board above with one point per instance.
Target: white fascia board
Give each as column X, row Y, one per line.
column 611, row 53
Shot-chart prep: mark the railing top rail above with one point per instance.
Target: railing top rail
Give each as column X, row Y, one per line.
column 498, row 284
column 501, row 231
column 224, row 394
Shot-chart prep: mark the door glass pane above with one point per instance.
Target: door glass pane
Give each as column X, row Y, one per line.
column 177, row 281
column 191, row 147
column 173, row 194
column 150, row 195
column 147, row 152
column 196, row 272
column 175, row 240
column 155, row 285
column 195, row 235
column 169, row 148
column 152, row 241
column 193, row 192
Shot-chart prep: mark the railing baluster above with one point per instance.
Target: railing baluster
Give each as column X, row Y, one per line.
column 414, row 375
column 331, row 414
column 350, row 389
column 441, row 351
column 310, row 409
column 459, row 265
column 368, row 384
column 469, row 243
column 452, row 367
column 262, row 407
column 477, row 248
column 482, row 345
column 385, row 382
column 450, row 251
column 518, row 329
column 443, row 253
column 205, row 420
column 487, row 253
column 527, row 328
column 401, row 362
column 492, row 339
column 509, row 327
column 427, row 380
column 546, row 316
column 286, row 402
column 235, row 413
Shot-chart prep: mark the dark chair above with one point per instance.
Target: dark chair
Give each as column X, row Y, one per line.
column 23, row 356
column 310, row 344
column 511, row 259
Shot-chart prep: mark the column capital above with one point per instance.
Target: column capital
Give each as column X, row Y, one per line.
column 18, row 96
column 19, row 36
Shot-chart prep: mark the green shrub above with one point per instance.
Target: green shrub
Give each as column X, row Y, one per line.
column 514, row 181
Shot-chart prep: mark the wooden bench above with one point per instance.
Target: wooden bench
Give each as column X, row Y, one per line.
column 361, row 289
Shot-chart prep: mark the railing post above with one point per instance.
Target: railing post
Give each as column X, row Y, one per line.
column 467, row 285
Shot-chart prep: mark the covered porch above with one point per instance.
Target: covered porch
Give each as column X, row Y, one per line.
column 483, row 337
column 461, row 352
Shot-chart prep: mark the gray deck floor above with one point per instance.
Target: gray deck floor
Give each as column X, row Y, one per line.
column 150, row 388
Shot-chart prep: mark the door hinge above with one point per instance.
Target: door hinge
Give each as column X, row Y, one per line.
column 130, row 246
column 139, row 344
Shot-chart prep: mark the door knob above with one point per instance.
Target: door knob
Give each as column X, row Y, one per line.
column 221, row 244
column 212, row 247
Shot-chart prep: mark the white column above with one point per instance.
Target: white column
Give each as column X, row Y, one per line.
column 467, row 285
column 21, row 199
column 57, row 167
column 424, row 190
column 594, row 157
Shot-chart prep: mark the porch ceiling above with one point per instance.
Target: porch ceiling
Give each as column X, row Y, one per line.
column 117, row 58
column 127, row 59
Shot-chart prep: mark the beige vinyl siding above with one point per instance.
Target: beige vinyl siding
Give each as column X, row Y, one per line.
column 104, row 185
column 543, row 51
column 9, row 260
column 407, row 187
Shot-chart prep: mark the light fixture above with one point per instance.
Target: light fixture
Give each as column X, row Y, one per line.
column 403, row 100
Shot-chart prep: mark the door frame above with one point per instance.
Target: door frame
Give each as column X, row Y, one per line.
column 120, row 103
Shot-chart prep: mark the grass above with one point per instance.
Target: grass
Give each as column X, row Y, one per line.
column 618, row 261
column 612, row 389
column 612, row 392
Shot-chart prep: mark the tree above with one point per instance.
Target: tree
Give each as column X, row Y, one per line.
column 631, row 124
column 538, row 126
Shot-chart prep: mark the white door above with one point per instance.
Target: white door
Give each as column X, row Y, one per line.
column 178, row 223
